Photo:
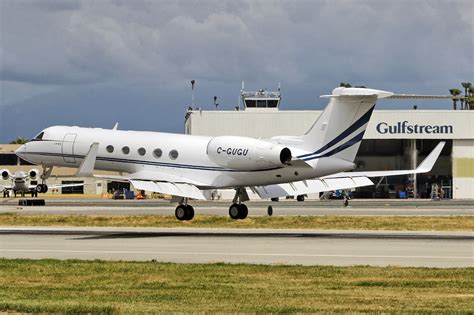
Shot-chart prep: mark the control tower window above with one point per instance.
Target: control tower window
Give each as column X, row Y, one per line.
column 250, row 103
column 272, row 103
column 261, row 103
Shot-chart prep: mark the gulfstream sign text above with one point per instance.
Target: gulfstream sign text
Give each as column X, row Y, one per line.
column 406, row 128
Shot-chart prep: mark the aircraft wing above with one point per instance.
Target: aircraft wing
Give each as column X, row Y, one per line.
column 310, row 186
column 424, row 167
column 345, row 180
column 60, row 186
column 2, row 188
column 162, row 183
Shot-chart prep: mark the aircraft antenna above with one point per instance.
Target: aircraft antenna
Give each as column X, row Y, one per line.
column 192, row 93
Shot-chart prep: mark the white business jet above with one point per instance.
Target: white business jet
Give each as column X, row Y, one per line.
column 188, row 166
column 20, row 183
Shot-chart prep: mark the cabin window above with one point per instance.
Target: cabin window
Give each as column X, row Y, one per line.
column 157, row 153
column 173, row 154
column 126, row 150
column 141, row 151
column 110, row 148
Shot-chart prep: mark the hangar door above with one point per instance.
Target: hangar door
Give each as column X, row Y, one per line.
column 68, row 147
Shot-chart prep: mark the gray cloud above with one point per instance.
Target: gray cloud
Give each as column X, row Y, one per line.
column 404, row 46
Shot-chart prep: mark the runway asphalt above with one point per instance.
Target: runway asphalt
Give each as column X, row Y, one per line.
column 261, row 246
column 97, row 206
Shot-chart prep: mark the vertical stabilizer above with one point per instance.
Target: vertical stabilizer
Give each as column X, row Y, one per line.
column 341, row 126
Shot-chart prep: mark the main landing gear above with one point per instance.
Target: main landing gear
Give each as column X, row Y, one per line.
column 238, row 210
column 41, row 189
column 184, row 212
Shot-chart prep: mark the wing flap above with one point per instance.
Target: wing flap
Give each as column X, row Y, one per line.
column 181, row 190
column 311, row 186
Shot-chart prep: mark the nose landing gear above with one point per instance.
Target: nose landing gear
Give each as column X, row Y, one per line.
column 41, row 188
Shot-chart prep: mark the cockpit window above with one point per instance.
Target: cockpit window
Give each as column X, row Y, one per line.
column 38, row 136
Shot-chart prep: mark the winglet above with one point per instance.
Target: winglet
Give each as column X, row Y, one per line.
column 87, row 165
column 431, row 159
column 115, row 126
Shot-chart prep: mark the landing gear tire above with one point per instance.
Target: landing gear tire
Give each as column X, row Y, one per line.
column 270, row 211
column 41, row 188
column 189, row 213
column 184, row 212
column 300, row 198
column 244, row 211
column 238, row 211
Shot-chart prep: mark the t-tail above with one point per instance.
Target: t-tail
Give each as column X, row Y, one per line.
column 339, row 129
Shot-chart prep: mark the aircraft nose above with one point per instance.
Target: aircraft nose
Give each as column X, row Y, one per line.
column 20, row 151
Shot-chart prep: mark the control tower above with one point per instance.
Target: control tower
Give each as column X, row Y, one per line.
column 261, row 99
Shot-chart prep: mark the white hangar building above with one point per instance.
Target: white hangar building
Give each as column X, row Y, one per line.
column 394, row 139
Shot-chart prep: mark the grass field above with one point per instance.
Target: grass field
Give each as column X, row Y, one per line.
column 136, row 287
column 448, row 223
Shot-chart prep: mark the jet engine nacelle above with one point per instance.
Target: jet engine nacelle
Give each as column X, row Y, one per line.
column 5, row 174
column 33, row 173
column 247, row 154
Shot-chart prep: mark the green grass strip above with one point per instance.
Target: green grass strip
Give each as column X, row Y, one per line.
column 72, row 286
column 402, row 223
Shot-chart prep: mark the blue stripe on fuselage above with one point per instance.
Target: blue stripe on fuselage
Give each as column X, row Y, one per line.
column 344, row 146
column 356, row 125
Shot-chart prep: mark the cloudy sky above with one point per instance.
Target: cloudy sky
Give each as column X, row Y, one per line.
column 92, row 63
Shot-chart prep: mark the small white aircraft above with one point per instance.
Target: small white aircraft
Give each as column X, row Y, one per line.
column 188, row 166
column 21, row 183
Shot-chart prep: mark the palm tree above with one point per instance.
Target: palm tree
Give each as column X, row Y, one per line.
column 455, row 93
column 470, row 99
column 19, row 140
column 466, row 86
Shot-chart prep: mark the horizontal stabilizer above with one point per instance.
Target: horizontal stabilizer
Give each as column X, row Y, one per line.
column 349, row 93
column 424, row 97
